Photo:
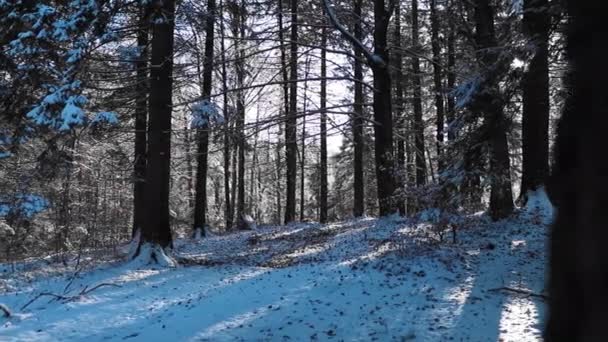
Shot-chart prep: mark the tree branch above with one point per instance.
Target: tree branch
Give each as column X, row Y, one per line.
column 349, row 36
column 522, row 292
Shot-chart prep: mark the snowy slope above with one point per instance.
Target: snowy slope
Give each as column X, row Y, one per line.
column 363, row 280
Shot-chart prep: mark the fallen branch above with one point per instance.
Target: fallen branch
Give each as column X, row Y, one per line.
column 66, row 299
column 86, row 291
column 44, row 294
column 521, row 292
column 7, row 312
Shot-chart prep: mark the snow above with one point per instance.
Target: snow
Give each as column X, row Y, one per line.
column 539, row 205
column 362, row 280
column 465, row 92
column 204, row 112
column 152, row 254
column 110, row 118
column 5, row 229
column 27, row 204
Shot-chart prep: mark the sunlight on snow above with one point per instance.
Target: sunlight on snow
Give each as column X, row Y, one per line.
column 517, row 321
column 232, row 322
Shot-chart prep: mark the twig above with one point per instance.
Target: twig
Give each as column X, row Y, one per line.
column 522, row 292
column 85, row 291
column 48, row 294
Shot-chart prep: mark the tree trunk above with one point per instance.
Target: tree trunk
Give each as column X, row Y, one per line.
column 451, row 103
column 227, row 137
column 400, row 112
column 239, row 31
column 200, row 203
column 303, row 148
column 437, row 80
column 285, row 78
column 417, row 83
column 535, row 122
column 291, row 143
column 323, row 127
column 383, row 116
column 141, row 124
column 578, row 305
column 358, row 122
column 157, row 230
column 501, row 196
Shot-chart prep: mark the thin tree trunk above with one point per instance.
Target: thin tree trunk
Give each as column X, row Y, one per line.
column 535, row 122
column 358, row 122
column 239, row 31
column 291, row 122
column 303, row 147
column 285, row 78
column 227, row 138
column 400, row 111
column 200, row 203
column 437, row 80
column 189, row 163
column 141, row 123
column 157, row 228
column 323, row 127
column 451, row 103
column 417, row 80
column 234, row 178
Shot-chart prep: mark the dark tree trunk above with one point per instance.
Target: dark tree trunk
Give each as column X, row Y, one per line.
column 200, row 203
column 239, row 31
column 157, row 228
column 358, row 122
column 227, row 137
column 141, row 124
column 383, row 115
column 285, row 78
column 323, row 128
column 303, row 143
column 535, row 122
column 578, row 273
column 489, row 103
column 400, row 112
column 437, row 80
column 291, row 142
column 417, row 83
column 451, row 103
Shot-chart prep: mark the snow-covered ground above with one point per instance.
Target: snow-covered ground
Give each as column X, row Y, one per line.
column 364, row 280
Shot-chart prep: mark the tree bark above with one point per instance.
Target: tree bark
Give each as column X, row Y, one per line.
column 578, row 268
column 400, row 112
column 451, row 103
column 227, row 137
column 488, row 102
column 358, row 119
column 157, row 228
column 200, row 203
column 437, row 80
column 239, row 31
column 291, row 143
column 383, row 115
column 303, row 143
column 323, row 127
column 417, row 83
column 535, row 122
column 141, row 123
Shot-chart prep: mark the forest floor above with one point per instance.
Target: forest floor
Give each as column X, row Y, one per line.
column 363, row 280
